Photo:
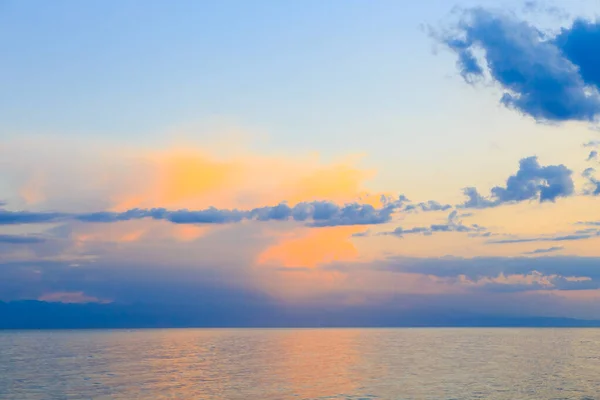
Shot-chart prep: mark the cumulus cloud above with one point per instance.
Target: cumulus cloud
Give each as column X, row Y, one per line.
column 476, row 200
column 532, row 181
column 548, row 78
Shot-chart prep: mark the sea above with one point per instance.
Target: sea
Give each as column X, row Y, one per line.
column 263, row 364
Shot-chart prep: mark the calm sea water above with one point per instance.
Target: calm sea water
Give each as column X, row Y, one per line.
column 301, row 364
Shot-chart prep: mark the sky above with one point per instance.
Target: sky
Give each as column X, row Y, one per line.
column 253, row 158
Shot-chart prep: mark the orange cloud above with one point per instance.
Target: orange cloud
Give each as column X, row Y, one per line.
column 176, row 178
column 189, row 233
column 132, row 236
column 312, row 247
column 191, row 178
column 186, row 175
column 339, row 183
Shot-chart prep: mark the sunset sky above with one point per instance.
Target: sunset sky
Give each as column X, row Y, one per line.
column 341, row 154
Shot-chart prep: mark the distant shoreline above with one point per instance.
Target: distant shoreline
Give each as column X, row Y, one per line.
column 39, row 315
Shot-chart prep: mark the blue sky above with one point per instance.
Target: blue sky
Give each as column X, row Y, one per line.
column 301, row 77
column 267, row 146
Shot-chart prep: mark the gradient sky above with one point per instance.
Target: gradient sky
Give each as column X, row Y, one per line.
column 328, row 154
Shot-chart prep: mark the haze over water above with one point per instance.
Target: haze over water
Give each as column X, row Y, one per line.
column 301, row 364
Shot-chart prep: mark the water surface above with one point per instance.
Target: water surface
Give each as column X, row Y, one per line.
column 301, row 364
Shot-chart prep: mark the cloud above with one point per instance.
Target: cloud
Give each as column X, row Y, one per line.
column 315, row 214
column 70, row 298
column 453, row 224
column 26, row 217
column 430, row 205
column 310, row 248
column 476, row 200
column 560, row 238
column 547, row 78
column 234, row 290
column 544, row 251
column 351, row 214
column 511, row 282
column 537, row 7
column 532, row 181
column 577, row 44
column 589, row 223
column 19, row 239
column 529, row 282
column 593, row 182
column 592, row 143
column 476, row 268
column 366, row 233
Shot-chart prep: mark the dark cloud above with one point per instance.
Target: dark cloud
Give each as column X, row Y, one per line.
column 209, row 216
column 545, row 251
column 26, row 217
column 353, row 214
column 136, row 213
column 532, row 181
column 20, row 239
column 548, row 78
column 316, row 214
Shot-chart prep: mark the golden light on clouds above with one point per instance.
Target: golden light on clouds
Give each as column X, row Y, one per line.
column 310, row 247
column 339, row 183
column 192, row 178
column 187, row 175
